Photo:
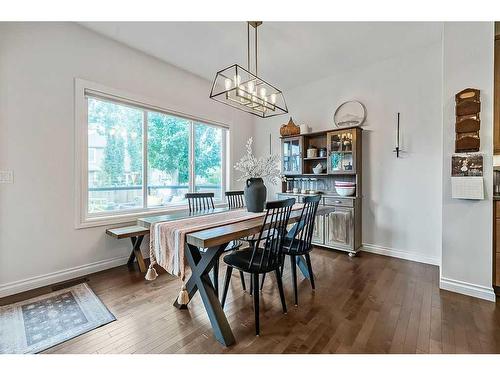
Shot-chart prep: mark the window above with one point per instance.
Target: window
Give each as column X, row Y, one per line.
column 138, row 158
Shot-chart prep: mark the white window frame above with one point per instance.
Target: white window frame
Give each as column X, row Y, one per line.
column 82, row 218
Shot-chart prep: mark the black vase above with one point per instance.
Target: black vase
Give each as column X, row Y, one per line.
column 255, row 195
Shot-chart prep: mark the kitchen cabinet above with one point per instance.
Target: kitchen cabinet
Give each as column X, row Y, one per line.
column 291, row 155
column 343, row 149
column 318, row 236
column 496, row 246
column 339, row 228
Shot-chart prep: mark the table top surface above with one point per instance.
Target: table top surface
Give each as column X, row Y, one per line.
column 223, row 233
column 183, row 214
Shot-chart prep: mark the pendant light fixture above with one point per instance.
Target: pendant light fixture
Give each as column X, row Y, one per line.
column 245, row 90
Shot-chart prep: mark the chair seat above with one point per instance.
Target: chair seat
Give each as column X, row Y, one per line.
column 241, row 260
column 233, row 245
column 291, row 247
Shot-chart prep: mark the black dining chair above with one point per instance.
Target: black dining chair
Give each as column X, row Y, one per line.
column 297, row 241
column 265, row 255
column 235, row 199
column 199, row 202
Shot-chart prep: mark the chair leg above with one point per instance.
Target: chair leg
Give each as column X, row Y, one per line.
column 256, row 296
column 216, row 278
column 242, row 278
column 293, row 266
column 251, row 284
column 262, row 281
column 309, row 268
column 280, row 288
column 227, row 279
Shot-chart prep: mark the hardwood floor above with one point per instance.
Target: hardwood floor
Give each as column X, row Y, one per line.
column 367, row 304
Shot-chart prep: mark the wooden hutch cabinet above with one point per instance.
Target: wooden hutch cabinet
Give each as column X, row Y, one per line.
column 340, row 159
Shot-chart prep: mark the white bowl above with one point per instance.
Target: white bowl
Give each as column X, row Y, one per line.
column 345, row 191
column 318, row 170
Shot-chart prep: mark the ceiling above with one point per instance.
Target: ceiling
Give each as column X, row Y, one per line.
column 290, row 53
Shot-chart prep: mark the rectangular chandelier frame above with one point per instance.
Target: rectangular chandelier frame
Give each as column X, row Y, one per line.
column 232, row 86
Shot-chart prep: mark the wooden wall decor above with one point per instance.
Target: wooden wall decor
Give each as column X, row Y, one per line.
column 468, row 122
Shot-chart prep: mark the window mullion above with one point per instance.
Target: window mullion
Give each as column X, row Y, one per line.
column 191, row 156
column 145, row 159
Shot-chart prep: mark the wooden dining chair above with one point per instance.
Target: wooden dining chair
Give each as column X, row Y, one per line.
column 298, row 240
column 200, row 201
column 265, row 255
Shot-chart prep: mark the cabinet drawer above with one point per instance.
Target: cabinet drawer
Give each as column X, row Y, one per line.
column 497, row 209
column 334, row 201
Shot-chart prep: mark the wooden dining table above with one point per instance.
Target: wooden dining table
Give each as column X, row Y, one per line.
column 203, row 248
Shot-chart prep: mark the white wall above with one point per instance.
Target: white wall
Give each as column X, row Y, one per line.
column 38, row 64
column 467, row 225
column 401, row 197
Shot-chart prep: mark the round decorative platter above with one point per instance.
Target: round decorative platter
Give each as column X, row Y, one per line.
column 350, row 113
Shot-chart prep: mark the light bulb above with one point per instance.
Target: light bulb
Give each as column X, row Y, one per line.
column 237, row 80
column 228, row 83
column 273, row 98
column 251, row 86
column 262, row 92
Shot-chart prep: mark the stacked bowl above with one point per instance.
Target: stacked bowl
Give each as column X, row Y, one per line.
column 345, row 188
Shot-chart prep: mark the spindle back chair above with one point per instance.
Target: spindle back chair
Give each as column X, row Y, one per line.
column 200, row 201
column 298, row 241
column 235, row 199
column 265, row 254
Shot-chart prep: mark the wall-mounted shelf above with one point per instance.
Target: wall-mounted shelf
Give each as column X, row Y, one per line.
column 316, row 158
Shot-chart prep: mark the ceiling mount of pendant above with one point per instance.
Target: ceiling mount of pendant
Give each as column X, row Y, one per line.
column 245, row 90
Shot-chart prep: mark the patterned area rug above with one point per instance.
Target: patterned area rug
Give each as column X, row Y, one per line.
column 39, row 323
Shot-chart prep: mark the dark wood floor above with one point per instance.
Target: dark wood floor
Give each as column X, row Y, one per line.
column 367, row 304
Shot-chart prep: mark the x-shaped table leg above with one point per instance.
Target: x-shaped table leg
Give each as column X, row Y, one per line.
column 136, row 253
column 201, row 264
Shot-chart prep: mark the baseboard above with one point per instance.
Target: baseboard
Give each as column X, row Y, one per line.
column 468, row 289
column 387, row 251
column 56, row 277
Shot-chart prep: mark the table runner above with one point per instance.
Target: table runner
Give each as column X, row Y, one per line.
column 167, row 239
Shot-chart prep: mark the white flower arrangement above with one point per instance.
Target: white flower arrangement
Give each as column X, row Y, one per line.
column 265, row 167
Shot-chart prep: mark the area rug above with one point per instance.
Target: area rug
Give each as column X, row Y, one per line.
column 39, row 323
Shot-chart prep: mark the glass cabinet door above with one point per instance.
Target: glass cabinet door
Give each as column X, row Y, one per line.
column 292, row 155
column 341, row 152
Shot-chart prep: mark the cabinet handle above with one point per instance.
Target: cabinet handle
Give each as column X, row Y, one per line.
column 339, row 202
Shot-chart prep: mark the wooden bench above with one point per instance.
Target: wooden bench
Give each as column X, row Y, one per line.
column 136, row 234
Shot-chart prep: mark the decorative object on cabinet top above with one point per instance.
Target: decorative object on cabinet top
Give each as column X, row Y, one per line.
column 350, row 113
column 289, row 129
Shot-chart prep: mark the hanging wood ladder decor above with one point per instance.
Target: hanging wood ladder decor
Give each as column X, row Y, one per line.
column 468, row 123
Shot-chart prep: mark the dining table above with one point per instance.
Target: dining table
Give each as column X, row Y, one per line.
column 202, row 250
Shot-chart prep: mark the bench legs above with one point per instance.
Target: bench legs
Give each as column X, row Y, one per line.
column 136, row 253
